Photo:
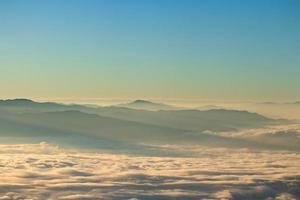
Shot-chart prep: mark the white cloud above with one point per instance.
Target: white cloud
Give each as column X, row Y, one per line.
column 43, row 171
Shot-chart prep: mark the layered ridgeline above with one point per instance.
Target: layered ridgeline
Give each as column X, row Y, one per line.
column 147, row 105
column 120, row 127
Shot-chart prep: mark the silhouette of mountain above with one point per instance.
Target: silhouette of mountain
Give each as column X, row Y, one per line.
column 27, row 105
column 77, row 127
column 147, row 105
column 195, row 120
column 16, row 102
column 119, row 125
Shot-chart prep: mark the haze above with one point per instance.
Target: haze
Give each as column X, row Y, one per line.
column 149, row 100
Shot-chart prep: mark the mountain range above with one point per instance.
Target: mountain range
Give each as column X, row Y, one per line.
column 147, row 105
column 120, row 125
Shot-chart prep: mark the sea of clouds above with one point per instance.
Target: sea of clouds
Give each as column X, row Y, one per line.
column 45, row 171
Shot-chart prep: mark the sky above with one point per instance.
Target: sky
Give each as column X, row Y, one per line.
column 154, row 49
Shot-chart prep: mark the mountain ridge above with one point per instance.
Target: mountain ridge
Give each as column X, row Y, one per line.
column 120, row 125
column 147, row 105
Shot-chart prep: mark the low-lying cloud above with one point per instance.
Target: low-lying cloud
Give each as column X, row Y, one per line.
column 44, row 171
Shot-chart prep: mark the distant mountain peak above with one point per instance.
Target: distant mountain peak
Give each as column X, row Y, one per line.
column 20, row 100
column 141, row 104
column 141, row 101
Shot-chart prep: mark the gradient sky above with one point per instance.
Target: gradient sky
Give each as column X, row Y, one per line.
column 157, row 49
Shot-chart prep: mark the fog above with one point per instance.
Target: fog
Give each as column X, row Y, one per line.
column 46, row 171
column 55, row 151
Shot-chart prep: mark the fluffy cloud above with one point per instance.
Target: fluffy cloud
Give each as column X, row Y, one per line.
column 43, row 171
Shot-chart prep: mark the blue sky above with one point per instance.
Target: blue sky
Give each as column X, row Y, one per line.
column 202, row 49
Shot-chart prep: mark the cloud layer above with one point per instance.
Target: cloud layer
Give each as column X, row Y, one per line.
column 44, row 171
